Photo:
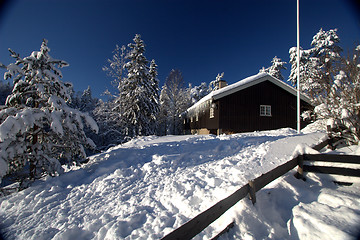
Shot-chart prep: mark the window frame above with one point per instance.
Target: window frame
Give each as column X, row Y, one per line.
column 265, row 111
column 212, row 112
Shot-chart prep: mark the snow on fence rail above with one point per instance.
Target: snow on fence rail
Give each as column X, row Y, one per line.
column 329, row 158
column 204, row 219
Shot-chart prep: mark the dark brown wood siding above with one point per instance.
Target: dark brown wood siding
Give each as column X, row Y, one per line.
column 240, row 111
column 204, row 120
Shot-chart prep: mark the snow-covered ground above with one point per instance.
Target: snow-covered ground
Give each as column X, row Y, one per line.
column 147, row 187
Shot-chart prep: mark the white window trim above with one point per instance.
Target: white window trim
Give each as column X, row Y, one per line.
column 265, row 110
column 212, row 112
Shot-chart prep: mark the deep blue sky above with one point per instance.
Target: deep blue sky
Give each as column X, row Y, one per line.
column 200, row 38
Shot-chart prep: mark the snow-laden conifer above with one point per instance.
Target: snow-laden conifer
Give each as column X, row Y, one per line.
column 214, row 85
column 37, row 125
column 138, row 92
column 309, row 73
column 342, row 106
column 135, row 106
column 198, row 92
column 332, row 83
column 84, row 101
column 5, row 91
column 318, row 65
column 153, row 88
column 275, row 69
column 326, row 51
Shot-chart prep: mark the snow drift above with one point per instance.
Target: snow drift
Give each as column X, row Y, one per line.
column 149, row 186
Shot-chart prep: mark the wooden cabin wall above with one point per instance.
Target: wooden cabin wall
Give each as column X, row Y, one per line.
column 240, row 111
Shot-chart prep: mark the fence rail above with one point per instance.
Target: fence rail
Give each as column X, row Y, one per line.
column 204, row 219
column 332, row 158
column 333, row 170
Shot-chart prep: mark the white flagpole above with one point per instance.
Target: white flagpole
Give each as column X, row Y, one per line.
column 298, row 68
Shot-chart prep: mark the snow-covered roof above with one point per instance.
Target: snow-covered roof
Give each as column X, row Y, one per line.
column 243, row 84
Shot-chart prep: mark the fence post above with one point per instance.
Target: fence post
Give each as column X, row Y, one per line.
column 252, row 191
column 300, row 170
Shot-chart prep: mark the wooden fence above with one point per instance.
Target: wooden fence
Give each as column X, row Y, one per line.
column 204, row 219
column 352, row 171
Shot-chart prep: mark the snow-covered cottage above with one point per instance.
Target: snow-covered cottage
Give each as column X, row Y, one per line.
column 259, row 102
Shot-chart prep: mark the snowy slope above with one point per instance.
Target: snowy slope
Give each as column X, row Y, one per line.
column 147, row 187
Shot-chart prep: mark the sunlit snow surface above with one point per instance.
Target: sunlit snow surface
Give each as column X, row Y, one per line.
column 147, row 187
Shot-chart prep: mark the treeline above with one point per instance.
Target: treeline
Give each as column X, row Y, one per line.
column 45, row 124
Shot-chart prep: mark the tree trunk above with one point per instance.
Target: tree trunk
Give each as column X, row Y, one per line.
column 32, row 163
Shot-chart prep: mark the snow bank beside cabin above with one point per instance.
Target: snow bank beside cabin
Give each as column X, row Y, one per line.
column 149, row 186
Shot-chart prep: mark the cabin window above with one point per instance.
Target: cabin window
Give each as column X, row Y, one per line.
column 265, row 110
column 212, row 112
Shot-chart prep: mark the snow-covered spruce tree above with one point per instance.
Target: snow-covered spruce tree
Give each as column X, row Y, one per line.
column 5, row 88
column 309, row 73
column 5, row 91
column 154, row 100
column 342, row 107
column 198, row 92
column 175, row 99
column 327, row 54
column 318, row 65
column 214, row 85
column 326, row 78
column 275, row 69
column 135, row 107
column 84, row 101
column 37, row 126
column 138, row 92
column 351, row 66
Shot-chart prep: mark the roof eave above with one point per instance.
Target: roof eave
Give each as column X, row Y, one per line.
column 263, row 78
